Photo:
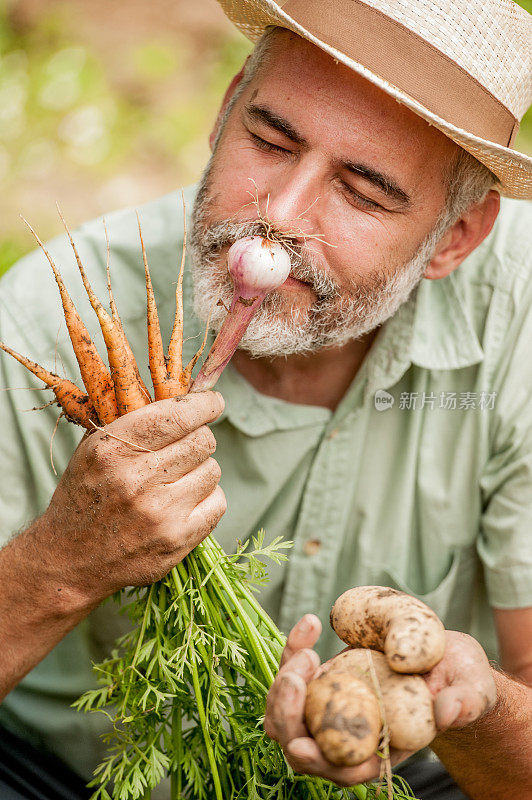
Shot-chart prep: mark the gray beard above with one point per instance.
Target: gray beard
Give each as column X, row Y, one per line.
column 280, row 328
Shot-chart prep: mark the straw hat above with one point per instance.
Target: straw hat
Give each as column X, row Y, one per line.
column 465, row 66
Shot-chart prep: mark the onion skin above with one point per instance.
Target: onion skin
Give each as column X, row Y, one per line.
column 257, row 266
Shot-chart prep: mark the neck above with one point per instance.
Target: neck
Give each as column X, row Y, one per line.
column 318, row 379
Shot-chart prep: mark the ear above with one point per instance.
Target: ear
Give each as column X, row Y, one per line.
column 229, row 92
column 464, row 236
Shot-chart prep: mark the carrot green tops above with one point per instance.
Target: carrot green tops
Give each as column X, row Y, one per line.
column 420, row 480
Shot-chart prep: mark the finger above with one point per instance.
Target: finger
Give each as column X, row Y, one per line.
column 305, row 633
column 206, row 515
column 305, row 756
column 459, row 705
column 301, row 667
column 285, row 709
column 159, row 424
column 178, row 458
column 304, row 663
column 198, row 484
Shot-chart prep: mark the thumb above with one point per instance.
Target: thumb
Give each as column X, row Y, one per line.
column 447, row 708
column 460, row 705
column 303, row 635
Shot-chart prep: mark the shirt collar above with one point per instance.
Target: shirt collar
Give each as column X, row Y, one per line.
column 433, row 330
column 443, row 335
column 256, row 414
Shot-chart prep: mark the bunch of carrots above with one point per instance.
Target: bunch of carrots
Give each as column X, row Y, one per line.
column 119, row 389
column 185, row 689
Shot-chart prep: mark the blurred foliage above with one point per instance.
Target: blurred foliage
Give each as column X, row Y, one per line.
column 99, row 128
column 100, row 121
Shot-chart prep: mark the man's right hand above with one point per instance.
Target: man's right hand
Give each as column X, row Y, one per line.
column 135, row 498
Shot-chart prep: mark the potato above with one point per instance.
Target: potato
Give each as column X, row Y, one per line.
column 342, row 714
column 406, row 699
column 402, row 627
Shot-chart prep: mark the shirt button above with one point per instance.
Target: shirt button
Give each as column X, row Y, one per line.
column 311, row 547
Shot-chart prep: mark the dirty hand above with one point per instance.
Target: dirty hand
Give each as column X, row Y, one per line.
column 462, row 686
column 135, row 498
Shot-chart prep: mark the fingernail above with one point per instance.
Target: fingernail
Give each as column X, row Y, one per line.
column 301, row 749
column 447, row 714
column 455, row 712
column 304, row 625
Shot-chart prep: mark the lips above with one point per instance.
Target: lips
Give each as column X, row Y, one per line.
column 294, row 283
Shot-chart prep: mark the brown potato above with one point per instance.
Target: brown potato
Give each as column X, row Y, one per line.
column 342, row 714
column 406, row 699
column 402, row 627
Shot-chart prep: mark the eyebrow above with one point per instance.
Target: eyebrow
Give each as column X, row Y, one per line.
column 385, row 183
column 273, row 120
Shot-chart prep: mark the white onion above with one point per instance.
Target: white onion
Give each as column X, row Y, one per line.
column 257, row 266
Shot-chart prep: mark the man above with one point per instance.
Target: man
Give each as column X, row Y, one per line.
column 431, row 498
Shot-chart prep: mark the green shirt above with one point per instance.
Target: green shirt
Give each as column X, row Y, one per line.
column 430, row 493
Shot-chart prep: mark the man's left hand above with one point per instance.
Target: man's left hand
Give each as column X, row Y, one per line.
column 462, row 686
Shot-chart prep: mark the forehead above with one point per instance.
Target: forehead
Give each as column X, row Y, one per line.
column 343, row 110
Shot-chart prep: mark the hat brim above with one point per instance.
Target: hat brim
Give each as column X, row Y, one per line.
column 512, row 168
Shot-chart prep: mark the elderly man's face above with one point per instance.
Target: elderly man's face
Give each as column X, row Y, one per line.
column 357, row 179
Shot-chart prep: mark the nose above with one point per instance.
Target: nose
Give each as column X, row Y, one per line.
column 291, row 200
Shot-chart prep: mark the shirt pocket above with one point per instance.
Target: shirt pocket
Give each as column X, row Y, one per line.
column 453, row 597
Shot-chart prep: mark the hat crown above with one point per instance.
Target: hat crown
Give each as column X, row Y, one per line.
column 464, row 66
column 489, row 39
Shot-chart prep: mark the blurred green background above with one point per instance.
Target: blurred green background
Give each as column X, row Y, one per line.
column 106, row 104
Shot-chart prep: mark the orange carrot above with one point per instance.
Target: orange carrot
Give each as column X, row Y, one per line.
column 167, row 374
column 94, row 373
column 112, row 394
column 175, row 347
column 76, row 405
column 118, row 322
column 129, row 392
column 157, row 361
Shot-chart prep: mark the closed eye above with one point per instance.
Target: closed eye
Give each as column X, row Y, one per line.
column 268, row 147
column 354, row 197
column 360, row 200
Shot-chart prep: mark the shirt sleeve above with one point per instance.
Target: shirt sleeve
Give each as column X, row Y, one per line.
column 505, row 541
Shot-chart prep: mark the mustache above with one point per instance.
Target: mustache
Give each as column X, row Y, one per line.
column 304, row 266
